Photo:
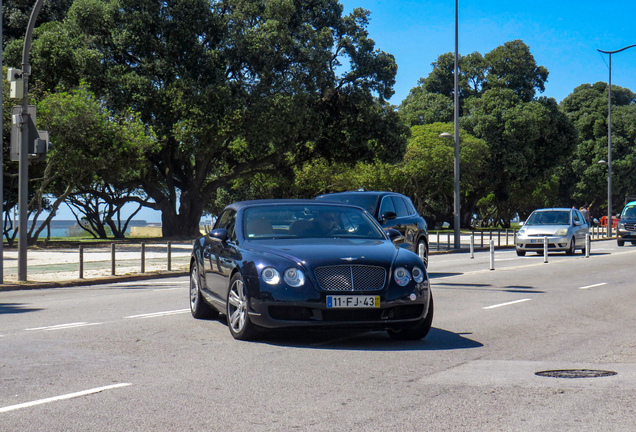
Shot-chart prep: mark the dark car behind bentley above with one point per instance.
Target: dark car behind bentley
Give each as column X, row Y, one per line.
column 626, row 228
column 391, row 210
column 301, row 263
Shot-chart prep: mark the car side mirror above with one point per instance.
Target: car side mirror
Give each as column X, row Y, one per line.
column 393, row 234
column 388, row 215
column 220, row 234
column 521, row 224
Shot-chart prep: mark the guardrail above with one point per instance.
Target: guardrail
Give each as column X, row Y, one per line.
column 129, row 259
column 444, row 240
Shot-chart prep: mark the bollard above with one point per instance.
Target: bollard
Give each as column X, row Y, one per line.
column 472, row 245
column 112, row 259
column 492, row 254
column 448, row 240
column 498, row 237
column 545, row 249
column 169, row 256
column 143, row 257
column 588, row 245
column 482, row 238
column 437, row 240
column 81, row 262
column 506, row 236
column 420, row 249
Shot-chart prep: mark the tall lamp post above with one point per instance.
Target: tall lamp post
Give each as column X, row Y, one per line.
column 456, row 208
column 609, row 140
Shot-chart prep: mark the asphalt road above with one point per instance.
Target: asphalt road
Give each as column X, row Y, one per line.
column 129, row 357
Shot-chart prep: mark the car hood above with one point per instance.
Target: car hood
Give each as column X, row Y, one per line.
column 323, row 252
column 548, row 230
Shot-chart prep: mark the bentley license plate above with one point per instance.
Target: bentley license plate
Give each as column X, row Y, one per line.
column 343, row 301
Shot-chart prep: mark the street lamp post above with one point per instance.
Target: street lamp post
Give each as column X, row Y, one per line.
column 457, row 219
column 609, row 140
column 456, row 208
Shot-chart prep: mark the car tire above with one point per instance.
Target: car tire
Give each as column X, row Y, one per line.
column 621, row 242
column 238, row 319
column 419, row 331
column 417, row 251
column 572, row 248
column 521, row 252
column 199, row 308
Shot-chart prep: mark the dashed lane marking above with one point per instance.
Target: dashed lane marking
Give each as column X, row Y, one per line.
column 507, row 304
column 62, row 397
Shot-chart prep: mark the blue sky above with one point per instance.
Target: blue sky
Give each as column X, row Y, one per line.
column 562, row 35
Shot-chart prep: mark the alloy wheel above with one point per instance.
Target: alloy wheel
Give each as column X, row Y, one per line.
column 237, row 306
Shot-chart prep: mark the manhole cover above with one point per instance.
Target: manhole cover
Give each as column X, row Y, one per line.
column 575, row 373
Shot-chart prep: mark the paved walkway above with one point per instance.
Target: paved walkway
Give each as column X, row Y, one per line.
column 61, row 266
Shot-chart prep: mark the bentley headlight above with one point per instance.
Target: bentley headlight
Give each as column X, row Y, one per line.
column 270, row 275
column 294, row 277
column 402, row 276
column 418, row 275
column 562, row 232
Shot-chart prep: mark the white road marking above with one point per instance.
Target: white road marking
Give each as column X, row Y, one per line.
column 158, row 314
column 62, row 397
column 593, row 286
column 63, row 326
column 506, row 304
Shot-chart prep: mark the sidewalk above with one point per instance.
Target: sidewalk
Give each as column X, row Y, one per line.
column 61, row 266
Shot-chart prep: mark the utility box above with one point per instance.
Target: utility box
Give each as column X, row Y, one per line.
column 38, row 140
column 14, row 77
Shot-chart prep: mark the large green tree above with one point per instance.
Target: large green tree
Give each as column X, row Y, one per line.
column 527, row 136
column 587, row 107
column 425, row 174
column 528, row 142
column 232, row 88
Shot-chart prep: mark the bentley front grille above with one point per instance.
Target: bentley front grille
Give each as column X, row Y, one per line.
column 351, row 278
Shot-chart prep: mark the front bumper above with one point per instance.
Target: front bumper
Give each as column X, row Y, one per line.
column 535, row 243
column 408, row 306
column 626, row 229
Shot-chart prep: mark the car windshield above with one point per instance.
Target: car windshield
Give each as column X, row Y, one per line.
column 629, row 212
column 308, row 221
column 554, row 217
column 367, row 202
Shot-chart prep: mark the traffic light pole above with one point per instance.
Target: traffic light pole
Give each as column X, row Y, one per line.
column 23, row 176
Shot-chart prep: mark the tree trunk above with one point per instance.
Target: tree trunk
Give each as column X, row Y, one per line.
column 185, row 224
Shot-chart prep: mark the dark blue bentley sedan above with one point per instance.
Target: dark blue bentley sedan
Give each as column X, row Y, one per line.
column 301, row 263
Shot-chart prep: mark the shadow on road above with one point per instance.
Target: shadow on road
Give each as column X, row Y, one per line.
column 437, row 339
column 486, row 287
column 15, row 308
column 442, row 275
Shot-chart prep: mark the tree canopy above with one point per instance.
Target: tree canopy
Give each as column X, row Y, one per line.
column 587, row 107
column 231, row 88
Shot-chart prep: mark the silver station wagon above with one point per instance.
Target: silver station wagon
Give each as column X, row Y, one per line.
column 564, row 228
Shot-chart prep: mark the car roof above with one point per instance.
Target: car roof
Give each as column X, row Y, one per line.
column 630, row 203
column 253, row 203
column 554, row 208
column 373, row 193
